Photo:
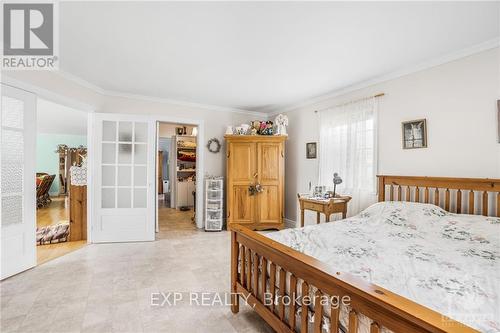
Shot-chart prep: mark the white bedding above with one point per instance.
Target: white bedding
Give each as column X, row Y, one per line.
column 447, row 262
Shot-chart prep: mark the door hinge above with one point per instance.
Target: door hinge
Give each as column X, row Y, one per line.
column 282, row 154
column 228, row 214
column 228, row 153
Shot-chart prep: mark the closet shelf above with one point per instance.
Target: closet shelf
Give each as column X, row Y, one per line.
column 184, row 171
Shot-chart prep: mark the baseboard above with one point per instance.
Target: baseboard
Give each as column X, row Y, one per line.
column 290, row 223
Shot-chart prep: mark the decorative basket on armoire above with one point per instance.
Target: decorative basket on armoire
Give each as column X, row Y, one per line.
column 255, row 180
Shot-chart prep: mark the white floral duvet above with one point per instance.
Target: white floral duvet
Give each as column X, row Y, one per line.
column 447, row 262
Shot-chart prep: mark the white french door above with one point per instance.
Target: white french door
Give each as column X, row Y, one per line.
column 17, row 180
column 124, row 168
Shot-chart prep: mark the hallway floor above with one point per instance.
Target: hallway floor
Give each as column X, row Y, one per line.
column 56, row 212
column 171, row 219
column 108, row 288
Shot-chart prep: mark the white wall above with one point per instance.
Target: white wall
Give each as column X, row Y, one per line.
column 55, row 118
column 458, row 99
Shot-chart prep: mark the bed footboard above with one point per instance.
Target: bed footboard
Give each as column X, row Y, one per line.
column 294, row 292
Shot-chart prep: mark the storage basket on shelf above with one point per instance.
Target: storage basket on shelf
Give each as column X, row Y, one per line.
column 214, row 203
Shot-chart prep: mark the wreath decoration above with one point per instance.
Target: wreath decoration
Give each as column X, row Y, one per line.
column 213, row 142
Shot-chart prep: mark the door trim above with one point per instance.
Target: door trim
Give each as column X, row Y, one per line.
column 200, row 162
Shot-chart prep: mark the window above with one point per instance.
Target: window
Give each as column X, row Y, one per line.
column 348, row 146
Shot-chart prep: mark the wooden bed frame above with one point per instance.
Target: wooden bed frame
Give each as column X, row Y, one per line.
column 254, row 257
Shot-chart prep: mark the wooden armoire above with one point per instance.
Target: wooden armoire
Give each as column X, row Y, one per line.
column 255, row 160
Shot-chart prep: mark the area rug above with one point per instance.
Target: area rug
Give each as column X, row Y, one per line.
column 56, row 233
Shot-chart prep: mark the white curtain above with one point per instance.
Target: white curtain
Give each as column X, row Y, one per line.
column 348, row 146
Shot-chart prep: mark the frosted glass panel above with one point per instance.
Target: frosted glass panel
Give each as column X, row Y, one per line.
column 12, row 161
column 109, row 153
column 140, row 154
column 12, row 209
column 125, row 131
column 12, row 112
column 124, row 176
column 12, row 177
column 109, row 130
column 124, row 153
column 124, row 198
column 141, row 132
column 108, row 175
column 140, row 176
column 124, row 171
column 140, row 198
column 108, row 198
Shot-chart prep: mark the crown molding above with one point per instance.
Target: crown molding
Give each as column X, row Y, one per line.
column 147, row 98
column 82, row 82
column 478, row 48
column 46, row 94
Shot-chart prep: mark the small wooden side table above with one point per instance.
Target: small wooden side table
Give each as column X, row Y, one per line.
column 325, row 206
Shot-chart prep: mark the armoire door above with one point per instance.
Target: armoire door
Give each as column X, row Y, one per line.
column 270, row 166
column 242, row 163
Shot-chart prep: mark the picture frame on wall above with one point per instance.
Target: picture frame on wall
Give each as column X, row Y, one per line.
column 311, row 150
column 414, row 134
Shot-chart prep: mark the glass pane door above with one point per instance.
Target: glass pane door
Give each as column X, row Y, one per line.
column 124, row 163
column 17, row 180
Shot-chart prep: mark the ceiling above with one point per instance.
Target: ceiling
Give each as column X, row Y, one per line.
column 259, row 56
column 55, row 118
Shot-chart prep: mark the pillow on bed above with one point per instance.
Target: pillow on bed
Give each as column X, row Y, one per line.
column 400, row 212
column 430, row 208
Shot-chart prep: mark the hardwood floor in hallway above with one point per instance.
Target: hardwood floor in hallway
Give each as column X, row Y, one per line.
column 56, row 212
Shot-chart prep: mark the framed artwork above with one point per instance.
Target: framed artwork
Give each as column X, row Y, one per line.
column 414, row 134
column 311, row 151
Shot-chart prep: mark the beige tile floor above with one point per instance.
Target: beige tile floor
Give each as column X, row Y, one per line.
column 107, row 288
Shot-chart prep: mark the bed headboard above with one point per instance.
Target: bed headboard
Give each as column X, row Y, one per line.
column 479, row 196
